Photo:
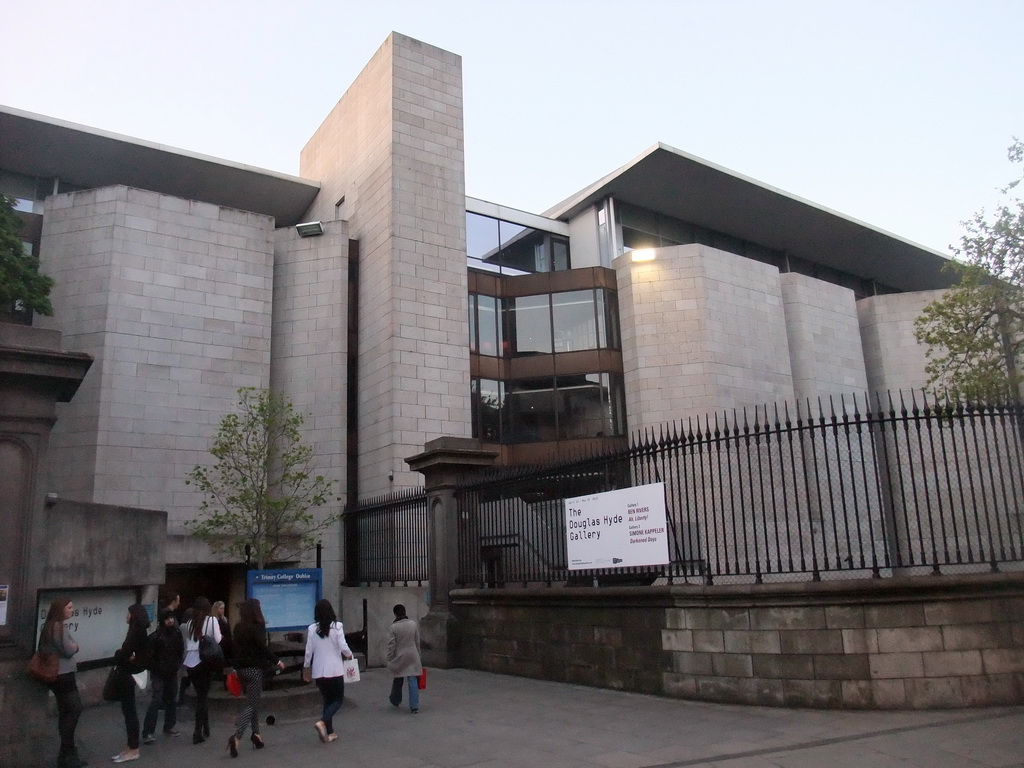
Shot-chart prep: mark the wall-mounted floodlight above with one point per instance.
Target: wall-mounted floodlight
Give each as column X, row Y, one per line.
column 310, row 228
column 643, row 254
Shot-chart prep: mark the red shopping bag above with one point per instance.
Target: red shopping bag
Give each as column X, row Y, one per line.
column 234, row 684
column 421, row 683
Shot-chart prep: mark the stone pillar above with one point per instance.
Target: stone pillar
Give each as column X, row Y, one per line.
column 34, row 376
column 445, row 463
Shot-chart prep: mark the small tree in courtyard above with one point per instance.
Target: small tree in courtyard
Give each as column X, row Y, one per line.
column 975, row 331
column 261, row 490
column 20, row 278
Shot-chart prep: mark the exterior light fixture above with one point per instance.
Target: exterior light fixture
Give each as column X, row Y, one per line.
column 310, row 228
column 644, row 254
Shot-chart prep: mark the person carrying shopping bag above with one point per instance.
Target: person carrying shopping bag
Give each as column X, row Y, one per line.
column 404, row 658
column 251, row 657
column 326, row 650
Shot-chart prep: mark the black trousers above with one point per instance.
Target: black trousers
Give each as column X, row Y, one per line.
column 200, row 676
column 131, row 714
column 69, row 709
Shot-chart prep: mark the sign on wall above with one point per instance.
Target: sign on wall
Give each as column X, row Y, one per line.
column 287, row 597
column 98, row 622
column 617, row 529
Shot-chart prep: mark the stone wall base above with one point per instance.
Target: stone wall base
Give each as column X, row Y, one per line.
column 897, row 643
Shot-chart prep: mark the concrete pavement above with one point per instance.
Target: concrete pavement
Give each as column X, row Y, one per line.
column 492, row 721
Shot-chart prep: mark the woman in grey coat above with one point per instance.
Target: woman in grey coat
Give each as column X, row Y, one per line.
column 404, row 658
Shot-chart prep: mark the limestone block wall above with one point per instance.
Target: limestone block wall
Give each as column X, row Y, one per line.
column 309, row 349
column 702, row 330
column 899, row 643
column 824, row 337
column 390, row 159
column 173, row 299
column 892, row 356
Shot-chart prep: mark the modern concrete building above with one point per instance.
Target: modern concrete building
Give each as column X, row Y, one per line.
column 400, row 310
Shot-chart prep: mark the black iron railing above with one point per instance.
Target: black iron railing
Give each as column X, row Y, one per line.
column 842, row 488
column 391, row 540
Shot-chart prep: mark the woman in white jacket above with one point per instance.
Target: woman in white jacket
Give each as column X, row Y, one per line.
column 325, row 649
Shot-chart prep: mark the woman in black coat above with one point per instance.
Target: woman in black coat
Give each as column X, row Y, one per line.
column 129, row 660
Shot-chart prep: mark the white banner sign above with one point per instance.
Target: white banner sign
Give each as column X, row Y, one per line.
column 97, row 622
column 617, row 529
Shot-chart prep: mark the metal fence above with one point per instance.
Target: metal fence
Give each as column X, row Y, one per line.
column 811, row 491
column 386, row 540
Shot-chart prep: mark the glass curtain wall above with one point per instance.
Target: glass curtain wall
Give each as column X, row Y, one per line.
column 549, row 408
column 567, row 321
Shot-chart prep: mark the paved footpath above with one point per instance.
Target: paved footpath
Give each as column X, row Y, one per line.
column 492, row 721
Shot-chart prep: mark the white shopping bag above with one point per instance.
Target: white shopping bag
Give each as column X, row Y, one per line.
column 141, row 679
column 351, row 671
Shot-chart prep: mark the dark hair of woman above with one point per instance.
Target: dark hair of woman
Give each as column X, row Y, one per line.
column 250, row 614
column 54, row 625
column 200, row 612
column 324, row 615
column 140, row 618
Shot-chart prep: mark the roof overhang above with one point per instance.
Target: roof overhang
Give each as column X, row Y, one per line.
column 676, row 184
column 86, row 157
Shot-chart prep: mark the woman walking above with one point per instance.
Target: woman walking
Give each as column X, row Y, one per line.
column 325, row 649
column 56, row 638
column 128, row 660
column 251, row 657
column 201, row 625
column 404, row 658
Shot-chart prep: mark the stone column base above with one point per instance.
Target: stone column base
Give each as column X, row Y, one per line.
column 25, row 732
column 437, row 646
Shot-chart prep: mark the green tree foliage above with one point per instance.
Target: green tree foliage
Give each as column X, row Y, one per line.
column 261, row 490
column 20, row 279
column 975, row 331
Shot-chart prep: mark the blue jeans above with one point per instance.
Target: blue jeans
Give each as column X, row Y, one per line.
column 414, row 691
column 332, row 690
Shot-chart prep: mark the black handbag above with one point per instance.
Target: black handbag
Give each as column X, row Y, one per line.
column 113, row 687
column 210, row 652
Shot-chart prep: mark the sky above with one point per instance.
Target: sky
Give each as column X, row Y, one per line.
column 897, row 113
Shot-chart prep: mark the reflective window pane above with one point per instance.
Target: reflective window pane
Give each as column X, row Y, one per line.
column 488, row 309
column 487, row 397
column 472, row 323
column 523, row 248
column 530, row 325
column 559, row 254
column 575, row 321
column 529, row 412
column 583, row 406
column 481, row 237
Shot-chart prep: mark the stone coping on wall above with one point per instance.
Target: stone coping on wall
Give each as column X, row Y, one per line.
column 900, row 642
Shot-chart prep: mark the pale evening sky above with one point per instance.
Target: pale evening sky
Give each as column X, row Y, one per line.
column 897, row 113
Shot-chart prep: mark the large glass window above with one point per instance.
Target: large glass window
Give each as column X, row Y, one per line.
column 487, row 405
column 547, row 409
column 584, row 406
column 575, row 321
column 494, row 245
column 568, row 321
column 489, row 325
column 529, row 413
column 530, row 326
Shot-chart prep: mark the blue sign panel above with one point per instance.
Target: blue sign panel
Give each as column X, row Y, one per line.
column 287, row 596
